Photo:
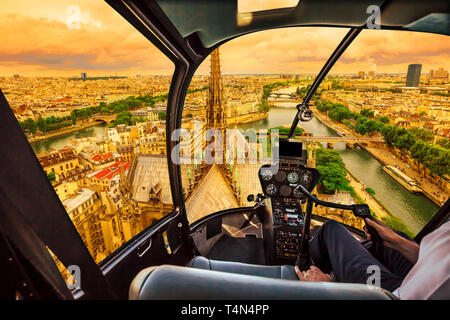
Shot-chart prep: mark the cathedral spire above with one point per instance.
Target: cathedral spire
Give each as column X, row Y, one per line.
column 216, row 110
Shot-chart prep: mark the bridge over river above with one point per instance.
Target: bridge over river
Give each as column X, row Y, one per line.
column 107, row 118
column 342, row 139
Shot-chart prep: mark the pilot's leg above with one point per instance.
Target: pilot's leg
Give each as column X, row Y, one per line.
column 335, row 249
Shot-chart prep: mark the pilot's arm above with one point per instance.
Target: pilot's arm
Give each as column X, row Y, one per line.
column 407, row 248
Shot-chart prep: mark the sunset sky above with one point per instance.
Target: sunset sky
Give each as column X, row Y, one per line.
column 36, row 41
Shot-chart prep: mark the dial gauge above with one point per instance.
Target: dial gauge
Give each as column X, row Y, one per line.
column 306, row 178
column 266, row 174
column 292, row 177
column 297, row 193
column 280, row 176
column 271, row 189
column 285, row 190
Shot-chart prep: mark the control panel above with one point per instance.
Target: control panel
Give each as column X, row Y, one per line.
column 286, row 199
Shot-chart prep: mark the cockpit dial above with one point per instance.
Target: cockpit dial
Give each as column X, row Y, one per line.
column 292, row 177
column 306, row 178
column 280, row 176
column 297, row 193
column 285, row 190
column 271, row 189
column 266, row 174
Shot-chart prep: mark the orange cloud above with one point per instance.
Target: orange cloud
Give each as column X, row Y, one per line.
column 36, row 41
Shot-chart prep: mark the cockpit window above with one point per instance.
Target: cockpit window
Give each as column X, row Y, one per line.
column 90, row 93
column 378, row 136
column 248, row 96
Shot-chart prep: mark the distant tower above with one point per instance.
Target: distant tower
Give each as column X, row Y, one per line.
column 413, row 76
column 216, row 109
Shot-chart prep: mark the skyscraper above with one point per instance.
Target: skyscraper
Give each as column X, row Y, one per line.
column 413, row 76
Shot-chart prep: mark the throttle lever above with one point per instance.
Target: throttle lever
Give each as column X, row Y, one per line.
column 363, row 211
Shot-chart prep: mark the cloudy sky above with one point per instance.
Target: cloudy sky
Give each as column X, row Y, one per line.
column 42, row 38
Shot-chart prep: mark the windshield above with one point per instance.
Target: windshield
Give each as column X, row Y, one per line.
column 375, row 97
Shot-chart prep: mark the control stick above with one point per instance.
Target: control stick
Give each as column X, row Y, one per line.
column 359, row 210
column 259, row 199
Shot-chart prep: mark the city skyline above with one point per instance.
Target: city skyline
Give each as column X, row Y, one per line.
column 105, row 44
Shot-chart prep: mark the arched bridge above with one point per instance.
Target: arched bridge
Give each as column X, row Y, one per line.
column 282, row 95
column 351, row 140
column 107, row 118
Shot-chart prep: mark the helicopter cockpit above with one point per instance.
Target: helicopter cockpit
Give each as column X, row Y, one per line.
column 194, row 235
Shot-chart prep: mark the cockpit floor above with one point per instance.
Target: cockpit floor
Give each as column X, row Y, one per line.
column 246, row 250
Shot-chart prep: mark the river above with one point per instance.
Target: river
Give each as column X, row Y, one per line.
column 414, row 209
column 61, row 141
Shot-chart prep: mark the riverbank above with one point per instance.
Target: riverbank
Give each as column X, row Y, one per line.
column 62, row 132
column 247, row 118
column 429, row 188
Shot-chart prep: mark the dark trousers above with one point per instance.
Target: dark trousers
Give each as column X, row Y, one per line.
column 333, row 248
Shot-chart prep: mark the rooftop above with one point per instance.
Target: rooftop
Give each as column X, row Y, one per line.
column 82, row 196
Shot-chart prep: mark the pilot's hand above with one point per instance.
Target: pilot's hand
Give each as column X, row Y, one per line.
column 314, row 274
column 390, row 238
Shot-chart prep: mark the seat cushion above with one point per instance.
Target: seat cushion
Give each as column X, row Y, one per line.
column 278, row 272
column 173, row 282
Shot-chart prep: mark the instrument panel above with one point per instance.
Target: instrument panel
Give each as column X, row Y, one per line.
column 288, row 218
column 283, row 183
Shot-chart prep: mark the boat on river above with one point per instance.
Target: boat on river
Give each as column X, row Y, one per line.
column 403, row 179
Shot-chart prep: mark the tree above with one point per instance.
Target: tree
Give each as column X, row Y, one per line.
column 41, row 124
column 326, row 156
column 104, row 110
column 443, row 142
column 419, row 152
column 264, row 106
column 30, row 125
column 162, row 115
column 405, row 141
column 332, row 177
column 384, row 119
column 51, row 176
column 423, row 134
column 367, row 113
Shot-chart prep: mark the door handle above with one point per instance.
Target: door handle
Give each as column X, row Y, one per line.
column 144, row 247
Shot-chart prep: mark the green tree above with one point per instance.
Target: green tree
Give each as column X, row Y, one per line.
column 326, row 156
column 162, row 115
column 405, row 141
column 443, row 142
column 384, row 119
column 51, row 176
column 367, row 113
column 41, row 124
column 423, row 134
column 332, row 177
